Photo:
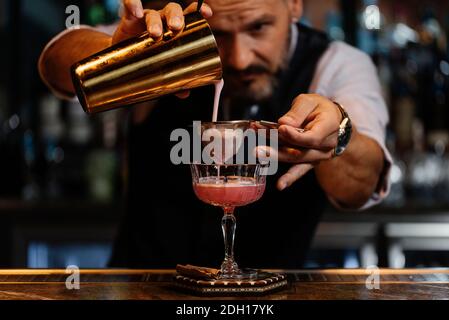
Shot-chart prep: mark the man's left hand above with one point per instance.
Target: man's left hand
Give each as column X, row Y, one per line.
column 320, row 118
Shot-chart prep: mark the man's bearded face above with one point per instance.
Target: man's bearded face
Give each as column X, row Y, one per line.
column 253, row 39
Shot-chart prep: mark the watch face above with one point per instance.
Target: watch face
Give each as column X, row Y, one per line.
column 345, row 132
column 344, row 138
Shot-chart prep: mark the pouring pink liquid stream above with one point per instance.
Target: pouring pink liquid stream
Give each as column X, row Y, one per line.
column 218, row 88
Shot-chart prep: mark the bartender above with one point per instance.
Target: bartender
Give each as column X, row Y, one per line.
column 275, row 69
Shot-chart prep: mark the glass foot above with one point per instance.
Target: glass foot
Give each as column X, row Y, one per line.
column 244, row 274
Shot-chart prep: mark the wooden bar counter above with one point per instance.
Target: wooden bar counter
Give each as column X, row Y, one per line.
column 32, row 284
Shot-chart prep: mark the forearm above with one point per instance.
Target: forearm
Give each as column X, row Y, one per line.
column 352, row 178
column 74, row 46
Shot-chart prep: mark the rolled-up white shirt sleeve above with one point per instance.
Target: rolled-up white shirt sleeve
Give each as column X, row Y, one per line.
column 108, row 29
column 348, row 76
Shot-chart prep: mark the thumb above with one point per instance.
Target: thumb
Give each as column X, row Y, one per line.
column 302, row 106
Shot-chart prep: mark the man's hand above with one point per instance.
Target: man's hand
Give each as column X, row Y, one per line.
column 320, row 118
column 136, row 20
column 56, row 61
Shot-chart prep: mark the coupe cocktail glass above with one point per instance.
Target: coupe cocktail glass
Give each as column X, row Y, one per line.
column 228, row 187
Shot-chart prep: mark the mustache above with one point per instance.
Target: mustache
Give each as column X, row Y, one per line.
column 253, row 69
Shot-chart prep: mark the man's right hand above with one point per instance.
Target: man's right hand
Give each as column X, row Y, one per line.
column 136, row 20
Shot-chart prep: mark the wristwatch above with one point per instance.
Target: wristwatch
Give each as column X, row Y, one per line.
column 344, row 132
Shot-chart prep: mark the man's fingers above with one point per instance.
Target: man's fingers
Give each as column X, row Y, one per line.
column 320, row 136
column 206, row 10
column 291, row 155
column 318, row 116
column 174, row 16
column 154, row 23
column 134, row 7
column 294, row 156
column 303, row 105
column 293, row 174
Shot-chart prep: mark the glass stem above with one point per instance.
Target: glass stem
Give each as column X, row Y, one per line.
column 228, row 224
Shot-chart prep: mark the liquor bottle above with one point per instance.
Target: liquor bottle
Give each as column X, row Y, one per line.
column 103, row 160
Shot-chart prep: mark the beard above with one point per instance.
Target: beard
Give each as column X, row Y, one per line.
column 253, row 86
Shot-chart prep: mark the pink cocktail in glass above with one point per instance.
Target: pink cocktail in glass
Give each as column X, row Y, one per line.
column 237, row 193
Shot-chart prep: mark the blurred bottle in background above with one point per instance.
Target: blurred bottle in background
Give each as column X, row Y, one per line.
column 71, row 155
column 102, row 168
column 52, row 130
column 11, row 160
column 31, row 189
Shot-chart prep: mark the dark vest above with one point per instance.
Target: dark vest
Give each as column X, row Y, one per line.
column 165, row 224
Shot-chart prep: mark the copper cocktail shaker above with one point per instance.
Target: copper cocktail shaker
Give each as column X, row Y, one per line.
column 141, row 68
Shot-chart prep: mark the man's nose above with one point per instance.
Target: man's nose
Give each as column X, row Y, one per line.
column 239, row 54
